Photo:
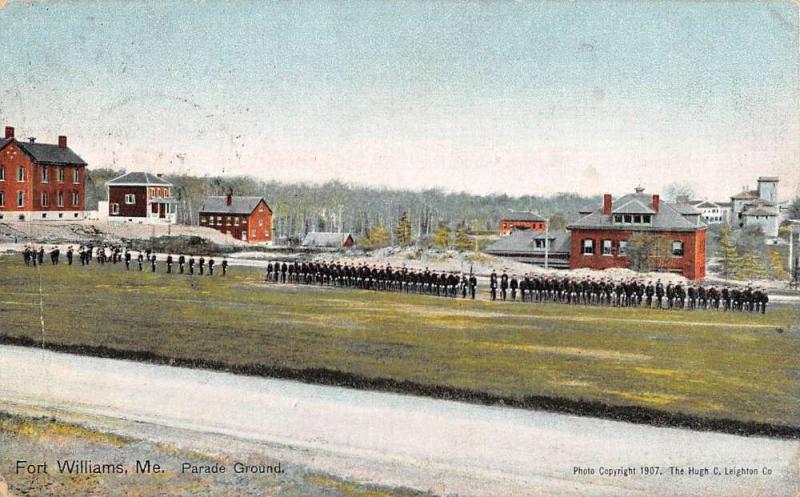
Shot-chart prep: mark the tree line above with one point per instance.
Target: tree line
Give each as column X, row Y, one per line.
column 388, row 216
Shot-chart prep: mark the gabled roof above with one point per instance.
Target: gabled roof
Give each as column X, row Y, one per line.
column 522, row 216
column 633, row 206
column 239, row 205
column 137, row 179
column 522, row 243
column 47, row 154
column 668, row 217
column 705, row 204
column 326, row 239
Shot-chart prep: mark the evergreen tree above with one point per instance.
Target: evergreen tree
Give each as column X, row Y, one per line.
column 378, row 237
column 726, row 251
column 441, row 237
column 462, row 242
column 751, row 267
column 402, row 232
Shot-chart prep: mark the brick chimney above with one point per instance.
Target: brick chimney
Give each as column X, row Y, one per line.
column 229, row 199
column 607, row 204
column 656, row 202
column 62, row 141
column 9, row 132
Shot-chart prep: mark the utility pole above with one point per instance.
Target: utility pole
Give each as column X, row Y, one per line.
column 792, row 265
column 546, row 242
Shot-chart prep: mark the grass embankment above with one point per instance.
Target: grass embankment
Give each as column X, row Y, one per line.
column 728, row 372
column 45, row 441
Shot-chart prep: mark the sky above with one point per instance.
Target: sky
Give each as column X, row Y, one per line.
column 484, row 97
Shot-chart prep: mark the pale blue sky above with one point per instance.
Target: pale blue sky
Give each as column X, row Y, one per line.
column 482, row 96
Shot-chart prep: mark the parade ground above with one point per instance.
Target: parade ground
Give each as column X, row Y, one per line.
column 663, row 365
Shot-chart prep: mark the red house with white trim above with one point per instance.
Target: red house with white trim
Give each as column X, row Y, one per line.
column 599, row 238
column 139, row 197
column 40, row 181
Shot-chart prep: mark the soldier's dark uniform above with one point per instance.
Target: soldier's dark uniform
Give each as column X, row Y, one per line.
column 127, row 260
column 224, row 267
column 191, row 265
column 169, row 263
column 181, row 263
column 513, row 284
column 140, row 260
column 503, row 285
column 201, row 264
column 493, row 285
column 69, row 256
column 211, row 266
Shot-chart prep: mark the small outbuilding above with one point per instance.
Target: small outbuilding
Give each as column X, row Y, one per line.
column 326, row 239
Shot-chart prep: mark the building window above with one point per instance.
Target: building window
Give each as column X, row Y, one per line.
column 227, row 221
column 627, row 218
column 115, row 209
column 637, row 219
column 130, row 198
column 61, row 174
column 617, row 218
column 244, row 221
column 2, row 199
column 45, row 174
column 623, row 247
column 607, row 244
column 677, row 248
column 21, row 174
column 539, row 244
column 202, row 220
column 44, row 199
column 236, row 221
column 219, row 220
column 588, row 247
column 646, row 218
column 76, row 176
column 261, row 222
column 2, row 173
column 75, row 198
column 20, row 199
column 60, row 199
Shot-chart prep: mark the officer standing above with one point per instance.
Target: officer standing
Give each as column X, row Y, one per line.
column 202, row 264
column 211, row 266
column 140, row 260
column 127, row 259
column 493, row 285
column 191, row 265
column 181, row 263
column 224, row 266
column 69, row 255
column 169, row 263
column 473, row 284
column 153, row 263
column 503, row 285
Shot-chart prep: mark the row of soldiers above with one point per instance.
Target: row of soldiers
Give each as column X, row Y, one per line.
column 385, row 278
column 115, row 254
column 626, row 293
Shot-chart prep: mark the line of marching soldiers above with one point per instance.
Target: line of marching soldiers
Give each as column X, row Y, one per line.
column 115, row 254
column 627, row 293
column 444, row 284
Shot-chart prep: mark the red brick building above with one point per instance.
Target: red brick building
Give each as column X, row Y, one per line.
column 140, row 197
column 245, row 218
column 40, row 181
column 521, row 221
column 599, row 239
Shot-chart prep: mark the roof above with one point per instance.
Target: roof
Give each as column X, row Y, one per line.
column 325, row 239
column 137, row 179
column 522, row 243
column 768, row 179
column 745, row 195
column 239, row 205
column 522, row 216
column 668, row 218
column 633, row 206
column 686, row 209
column 46, row 153
column 759, row 211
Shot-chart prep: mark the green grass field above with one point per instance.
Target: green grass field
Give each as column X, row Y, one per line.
column 731, row 366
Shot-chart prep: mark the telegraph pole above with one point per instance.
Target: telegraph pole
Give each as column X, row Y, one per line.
column 546, row 242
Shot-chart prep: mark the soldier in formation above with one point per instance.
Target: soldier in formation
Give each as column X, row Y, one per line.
column 375, row 277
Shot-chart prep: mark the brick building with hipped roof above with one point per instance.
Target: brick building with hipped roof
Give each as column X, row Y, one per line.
column 599, row 239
